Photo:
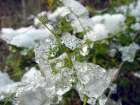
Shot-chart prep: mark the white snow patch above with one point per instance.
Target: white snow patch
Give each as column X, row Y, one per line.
column 24, row 37
column 112, row 22
column 76, row 7
column 60, row 11
column 4, row 79
column 99, row 32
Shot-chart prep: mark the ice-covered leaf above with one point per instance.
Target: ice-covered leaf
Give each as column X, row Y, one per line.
column 70, row 41
column 93, row 79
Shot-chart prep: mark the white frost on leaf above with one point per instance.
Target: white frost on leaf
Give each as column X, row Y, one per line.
column 128, row 52
column 70, row 41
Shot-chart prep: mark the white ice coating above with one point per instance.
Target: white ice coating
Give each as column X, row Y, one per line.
column 92, row 80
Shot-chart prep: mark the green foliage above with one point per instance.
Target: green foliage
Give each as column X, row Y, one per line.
column 53, row 68
column 7, row 101
column 130, row 20
column 124, row 82
column 100, row 55
column 85, row 99
column 53, row 4
column 63, row 26
column 16, row 62
column 114, row 3
column 68, row 62
column 137, row 37
column 101, row 47
column 71, row 98
column 80, row 35
column 124, row 38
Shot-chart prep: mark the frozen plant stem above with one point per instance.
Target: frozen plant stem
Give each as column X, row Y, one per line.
column 85, row 98
column 43, row 21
